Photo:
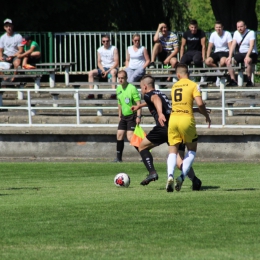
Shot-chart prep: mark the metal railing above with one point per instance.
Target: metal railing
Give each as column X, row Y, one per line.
column 81, row 47
column 77, row 108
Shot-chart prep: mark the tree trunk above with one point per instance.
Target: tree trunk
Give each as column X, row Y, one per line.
column 229, row 12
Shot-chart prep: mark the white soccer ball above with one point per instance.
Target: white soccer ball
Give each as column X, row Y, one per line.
column 122, row 180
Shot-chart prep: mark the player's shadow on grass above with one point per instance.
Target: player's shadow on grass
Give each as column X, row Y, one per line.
column 245, row 189
column 24, row 188
column 205, row 188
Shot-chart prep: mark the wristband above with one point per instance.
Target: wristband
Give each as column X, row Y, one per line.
column 139, row 117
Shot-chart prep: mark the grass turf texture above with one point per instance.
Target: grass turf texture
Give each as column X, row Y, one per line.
column 74, row 211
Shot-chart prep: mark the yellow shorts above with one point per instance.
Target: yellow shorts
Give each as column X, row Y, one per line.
column 182, row 128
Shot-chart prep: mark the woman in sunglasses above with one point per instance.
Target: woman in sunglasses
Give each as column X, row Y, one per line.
column 137, row 59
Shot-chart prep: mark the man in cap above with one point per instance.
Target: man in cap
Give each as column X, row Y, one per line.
column 10, row 44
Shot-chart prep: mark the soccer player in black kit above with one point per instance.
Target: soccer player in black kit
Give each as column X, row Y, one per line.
column 160, row 107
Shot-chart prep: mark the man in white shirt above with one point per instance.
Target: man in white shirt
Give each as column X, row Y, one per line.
column 108, row 61
column 221, row 40
column 10, row 44
column 247, row 52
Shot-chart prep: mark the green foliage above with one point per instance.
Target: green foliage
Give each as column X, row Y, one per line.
column 74, row 211
column 177, row 12
column 201, row 11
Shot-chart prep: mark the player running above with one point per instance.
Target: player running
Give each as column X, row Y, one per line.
column 182, row 125
column 160, row 107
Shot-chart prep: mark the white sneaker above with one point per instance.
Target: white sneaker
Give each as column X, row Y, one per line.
column 218, row 82
column 170, row 184
column 178, row 184
column 203, row 79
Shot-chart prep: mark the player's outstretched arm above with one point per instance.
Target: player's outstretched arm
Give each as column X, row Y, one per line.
column 136, row 107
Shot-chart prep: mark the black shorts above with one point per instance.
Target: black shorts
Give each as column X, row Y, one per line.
column 158, row 135
column 182, row 147
column 127, row 123
column 192, row 56
column 163, row 55
column 33, row 61
column 216, row 56
column 239, row 57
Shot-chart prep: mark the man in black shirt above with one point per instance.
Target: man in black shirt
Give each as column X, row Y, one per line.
column 195, row 40
column 160, row 108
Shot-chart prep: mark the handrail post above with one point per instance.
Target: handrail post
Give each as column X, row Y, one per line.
column 29, row 107
column 77, row 106
column 50, row 46
column 223, row 107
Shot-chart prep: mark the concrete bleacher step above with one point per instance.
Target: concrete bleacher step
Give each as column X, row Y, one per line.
column 68, row 117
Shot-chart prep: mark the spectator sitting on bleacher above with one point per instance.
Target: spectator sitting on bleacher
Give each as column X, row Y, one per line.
column 195, row 40
column 221, row 40
column 166, row 47
column 10, row 45
column 108, row 61
column 245, row 40
column 137, row 59
column 32, row 53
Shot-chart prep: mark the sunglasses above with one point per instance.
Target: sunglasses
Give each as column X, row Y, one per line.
column 136, row 40
column 106, row 41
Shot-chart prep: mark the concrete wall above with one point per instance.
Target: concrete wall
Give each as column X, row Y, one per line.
column 100, row 143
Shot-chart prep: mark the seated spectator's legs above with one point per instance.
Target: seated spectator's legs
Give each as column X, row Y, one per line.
column 33, row 60
column 240, row 57
column 16, row 63
column 197, row 59
column 134, row 75
column 91, row 75
column 157, row 48
column 187, row 58
column 213, row 60
column 25, row 61
column 163, row 56
column 173, row 62
column 35, row 55
column 113, row 72
column 253, row 60
column 210, row 62
column 231, row 74
column 223, row 59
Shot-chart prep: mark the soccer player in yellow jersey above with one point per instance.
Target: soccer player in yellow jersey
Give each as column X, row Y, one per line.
column 182, row 126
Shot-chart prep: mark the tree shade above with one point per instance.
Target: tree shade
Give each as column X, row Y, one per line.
column 102, row 15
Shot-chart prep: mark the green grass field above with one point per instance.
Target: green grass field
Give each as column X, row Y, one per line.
column 74, row 211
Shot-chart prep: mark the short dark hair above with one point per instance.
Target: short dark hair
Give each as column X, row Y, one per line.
column 218, row 22
column 27, row 37
column 147, row 76
column 182, row 66
column 105, row 36
column 193, row 22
